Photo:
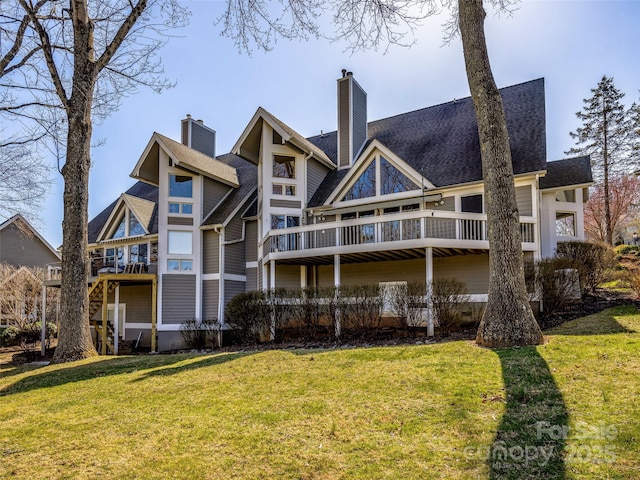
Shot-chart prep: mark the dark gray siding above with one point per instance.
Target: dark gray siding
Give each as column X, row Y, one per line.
column 213, row 193
column 210, row 297
column 252, row 279
column 359, row 98
column 231, row 289
column 523, row 196
column 20, row 249
column 344, row 123
column 203, row 139
column 131, row 335
column 285, row 203
column 251, row 241
column 180, row 221
column 234, row 259
column 315, row 175
column 178, row 298
column 210, row 252
column 233, row 231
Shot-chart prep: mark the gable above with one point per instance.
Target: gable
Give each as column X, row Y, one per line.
column 21, row 245
column 379, row 175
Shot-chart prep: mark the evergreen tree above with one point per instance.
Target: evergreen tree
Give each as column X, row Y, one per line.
column 607, row 136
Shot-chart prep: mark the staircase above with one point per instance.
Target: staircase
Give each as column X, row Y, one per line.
column 96, row 295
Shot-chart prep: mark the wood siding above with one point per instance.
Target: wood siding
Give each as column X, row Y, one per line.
column 315, row 175
column 213, row 193
column 251, row 241
column 178, row 298
column 210, row 252
column 525, row 203
column 234, row 259
column 344, row 123
column 231, row 289
column 210, row 298
column 180, row 221
column 274, row 202
column 138, row 300
column 20, row 249
column 252, row 279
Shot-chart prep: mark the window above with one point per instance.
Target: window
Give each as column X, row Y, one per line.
column 284, row 221
column 180, row 243
column 134, row 226
column 565, row 224
column 284, row 167
column 138, row 253
column 184, row 208
column 113, row 256
column 281, row 189
column 120, row 231
column 180, row 186
column 471, row 203
column 174, row 265
column 392, row 180
column 365, row 185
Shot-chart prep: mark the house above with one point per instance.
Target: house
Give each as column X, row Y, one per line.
column 392, row 200
column 22, row 250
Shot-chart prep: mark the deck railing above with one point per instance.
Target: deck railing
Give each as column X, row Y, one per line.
column 390, row 228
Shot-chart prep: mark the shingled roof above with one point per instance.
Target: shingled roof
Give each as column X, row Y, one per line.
column 248, row 179
column 139, row 190
column 570, row 171
column 441, row 142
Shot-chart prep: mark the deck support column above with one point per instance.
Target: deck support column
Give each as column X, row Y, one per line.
column 43, row 320
column 272, row 275
column 336, row 284
column 105, row 299
column 154, row 312
column 116, row 319
column 303, row 276
column 429, row 280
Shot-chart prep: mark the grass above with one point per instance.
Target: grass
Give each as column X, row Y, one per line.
column 450, row 410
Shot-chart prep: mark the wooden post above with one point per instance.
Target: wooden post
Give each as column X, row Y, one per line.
column 43, row 320
column 105, row 300
column 116, row 319
column 154, row 312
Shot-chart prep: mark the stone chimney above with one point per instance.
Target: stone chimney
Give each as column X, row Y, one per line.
column 198, row 136
column 352, row 119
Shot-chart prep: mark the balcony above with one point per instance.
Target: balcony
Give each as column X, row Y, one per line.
column 409, row 230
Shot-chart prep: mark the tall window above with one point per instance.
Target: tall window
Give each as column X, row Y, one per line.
column 471, row 203
column 134, row 226
column 392, row 180
column 180, row 186
column 284, row 167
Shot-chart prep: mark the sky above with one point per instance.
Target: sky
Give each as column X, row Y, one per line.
column 572, row 44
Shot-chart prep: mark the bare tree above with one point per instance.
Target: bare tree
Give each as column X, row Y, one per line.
column 75, row 60
column 623, row 200
column 508, row 319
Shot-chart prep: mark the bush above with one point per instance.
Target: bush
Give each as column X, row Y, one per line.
column 448, row 296
column 250, row 314
column 360, row 307
column 284, row 305
column 9, row 336
column 198, row 334
column 408, row 303
column 592, row 261
column 28, row 335
column 558, row 281
column 627, row 250
column 316, row 305
column 633, row 280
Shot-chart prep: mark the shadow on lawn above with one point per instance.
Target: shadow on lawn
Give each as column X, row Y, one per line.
column 530, row 440
column 147, row 366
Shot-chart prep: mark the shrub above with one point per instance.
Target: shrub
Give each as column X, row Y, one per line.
column 198, row 334
column 9, row 336
column 28, row 335
column 448, row 296
column 250, row 314
column 627, row 250
column 592, row 261
column 360, row 307
column 557, row 279
column 633, row 280
column 408, row 302
column 284, row 305
column 316, row 305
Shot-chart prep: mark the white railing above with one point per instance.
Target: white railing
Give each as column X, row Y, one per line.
column 389, row 228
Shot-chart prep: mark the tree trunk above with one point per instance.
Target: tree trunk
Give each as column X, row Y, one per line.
column 74, row 337
column 508, row 319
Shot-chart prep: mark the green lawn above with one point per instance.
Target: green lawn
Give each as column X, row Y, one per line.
column 449, row 410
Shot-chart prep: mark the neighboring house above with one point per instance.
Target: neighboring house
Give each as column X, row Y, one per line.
column 394, row 200
column 22, row 246
column 22, row 251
